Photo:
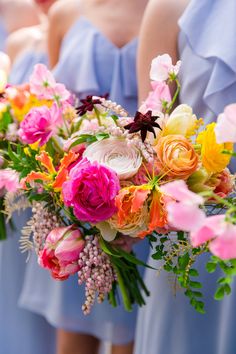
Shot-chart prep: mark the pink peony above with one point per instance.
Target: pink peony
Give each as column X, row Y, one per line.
column 226, row 125
column 160, row 93
column 162, row 67
column 40, row 124
column 220, row 234
column 183, row 210
column 61, row 252
column 91, row 191
column 9, row 180
column 44, row 86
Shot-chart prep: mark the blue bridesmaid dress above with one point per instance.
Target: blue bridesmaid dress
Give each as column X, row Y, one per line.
column 89, row 64
column 20, row 330
column 168, row 324
column 3, row 35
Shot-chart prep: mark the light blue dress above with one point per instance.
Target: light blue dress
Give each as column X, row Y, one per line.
column 168, row 324
column 3, row 35
column 89, row 64
column 20, row 330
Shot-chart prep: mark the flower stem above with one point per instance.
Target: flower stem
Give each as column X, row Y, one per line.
column 175, row 96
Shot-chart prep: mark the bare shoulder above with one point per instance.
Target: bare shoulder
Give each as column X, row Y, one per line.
column 63, row 14
column 21, row 40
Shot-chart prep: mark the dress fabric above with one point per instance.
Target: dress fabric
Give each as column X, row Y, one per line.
column 3, row 35
column 20, row 330
column 89, row 64
column 168, row 324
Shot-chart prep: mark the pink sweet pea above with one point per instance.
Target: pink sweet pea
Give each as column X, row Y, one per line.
column 91, row 191
column 221, row 234
column 40, row 124
column 9, row 180
column 162, row 68
column 183, row 209
column 160, row 94
column 61, row 252
column 44, row 86
column 226, row 125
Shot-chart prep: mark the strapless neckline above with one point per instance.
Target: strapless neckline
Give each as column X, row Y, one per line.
column 83, row 20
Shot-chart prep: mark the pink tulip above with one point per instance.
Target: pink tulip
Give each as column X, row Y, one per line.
column 61, row 252
column 226, row 125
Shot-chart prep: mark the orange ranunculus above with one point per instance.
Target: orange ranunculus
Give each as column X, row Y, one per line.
column 176, row 156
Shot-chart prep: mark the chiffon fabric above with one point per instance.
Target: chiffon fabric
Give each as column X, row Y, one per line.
column 168, row 324
column 89, row 64
column 20, row 330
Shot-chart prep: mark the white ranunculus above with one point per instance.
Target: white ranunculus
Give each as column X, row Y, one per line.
column 116, row 154
column 182, row 121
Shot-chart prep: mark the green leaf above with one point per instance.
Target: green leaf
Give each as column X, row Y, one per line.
column 193, row 272
column 183, row 261
column 227, row 289
column 197, row 294
column 180, row 236
column 195, row 284
column 219, row 294
column 211, row 267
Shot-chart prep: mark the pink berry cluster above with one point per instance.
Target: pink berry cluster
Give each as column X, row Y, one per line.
column 96, row 272
column 44, row 221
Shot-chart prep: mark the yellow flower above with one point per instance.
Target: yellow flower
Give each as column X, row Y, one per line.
column 211, row 153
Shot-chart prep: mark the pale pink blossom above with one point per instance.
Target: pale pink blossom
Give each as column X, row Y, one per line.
column 160, row 93
column 220, row 234
column 225, row 128
column 9, row 180
column 162, row 67
column 44, row 86
column 183, row 209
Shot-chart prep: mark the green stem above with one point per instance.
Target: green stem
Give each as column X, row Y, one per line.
column 175, row 97
column 123, row 290
column 98, row 116
column 57, row 146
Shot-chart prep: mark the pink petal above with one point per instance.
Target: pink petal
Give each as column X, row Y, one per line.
column 226, row 125
column 224, row 246
column 179, row 191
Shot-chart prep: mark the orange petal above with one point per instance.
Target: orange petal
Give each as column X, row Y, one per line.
column 60, row 179
column 33, row 176
column 46, row 161
column 68, row 159
column 140, row 195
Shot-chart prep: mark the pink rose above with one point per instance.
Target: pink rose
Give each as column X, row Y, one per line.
column 225, row 185
column 91, row 191
column 61, row 252
column 40, row 124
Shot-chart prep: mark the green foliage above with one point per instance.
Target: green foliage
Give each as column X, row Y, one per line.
column 3, row 234
column 88, row 138
column 5, row 120
column 21, row 161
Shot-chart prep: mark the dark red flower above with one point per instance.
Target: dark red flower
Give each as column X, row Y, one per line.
column 88, row 103
column 143, row 123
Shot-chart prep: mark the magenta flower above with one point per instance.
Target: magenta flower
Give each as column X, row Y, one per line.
column 44, row 86
column 40, row 124
column 9, row 180
column 226, row 125
column 61, row 252
column 220, row 234
column 91, row 191
column 183, row 207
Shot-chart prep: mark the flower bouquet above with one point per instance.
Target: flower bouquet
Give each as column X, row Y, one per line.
column 99, row 181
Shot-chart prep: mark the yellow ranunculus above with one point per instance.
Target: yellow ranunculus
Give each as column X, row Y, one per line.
column 211, row 153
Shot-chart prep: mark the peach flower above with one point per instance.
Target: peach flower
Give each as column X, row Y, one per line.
column 176, row 156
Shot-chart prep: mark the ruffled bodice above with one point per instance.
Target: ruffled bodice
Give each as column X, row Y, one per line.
column 91, row 64
column 24, row 64
column 207, row 45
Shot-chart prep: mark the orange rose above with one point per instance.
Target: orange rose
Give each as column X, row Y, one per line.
column 176, row 156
